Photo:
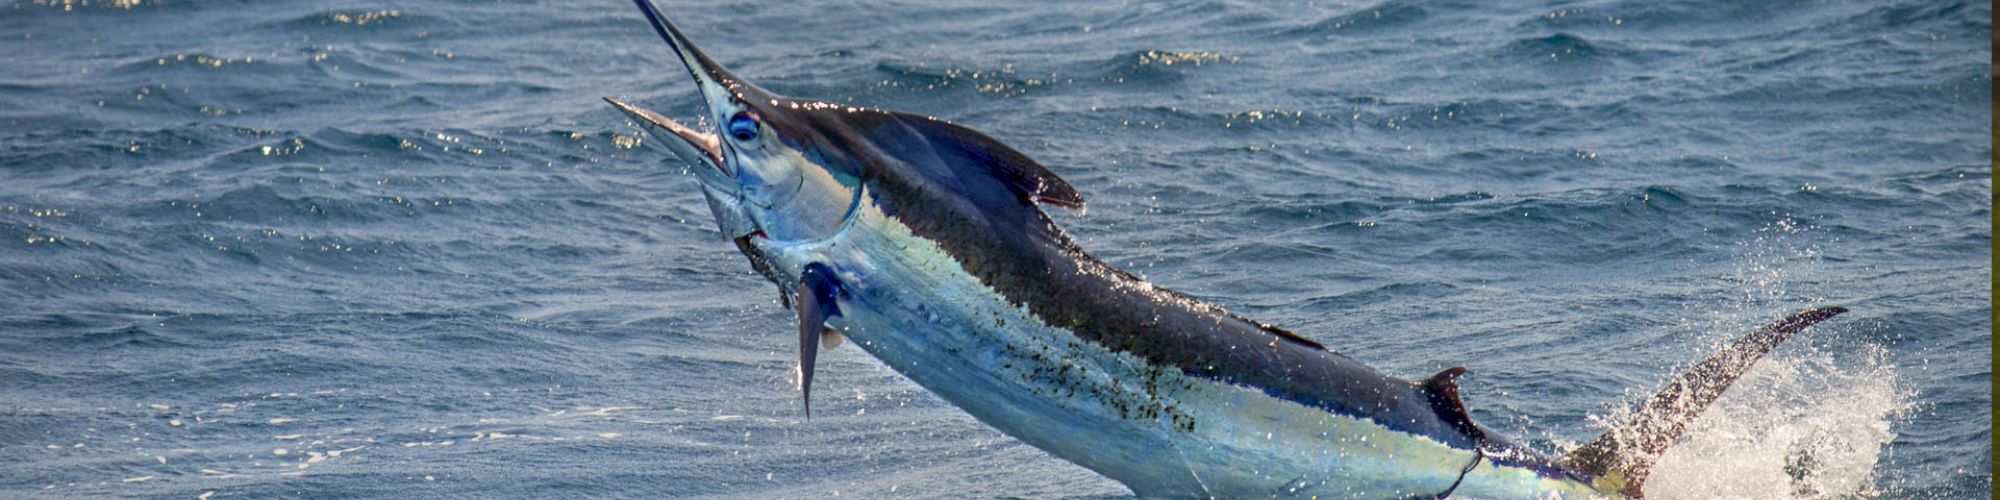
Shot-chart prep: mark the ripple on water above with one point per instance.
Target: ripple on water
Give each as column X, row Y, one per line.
column 1382, row 19
column 408, row 246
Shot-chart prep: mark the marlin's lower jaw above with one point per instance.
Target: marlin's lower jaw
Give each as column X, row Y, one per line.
column 730, row 216
column 702, row 152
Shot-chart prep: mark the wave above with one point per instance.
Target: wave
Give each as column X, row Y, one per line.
column 1386, row 18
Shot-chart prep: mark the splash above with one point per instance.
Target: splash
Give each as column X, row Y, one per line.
column 1806, row 426
column 1811, row 420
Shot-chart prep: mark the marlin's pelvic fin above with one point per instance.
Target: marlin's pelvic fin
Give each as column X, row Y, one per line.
column 1621, row 459
column 817, row 293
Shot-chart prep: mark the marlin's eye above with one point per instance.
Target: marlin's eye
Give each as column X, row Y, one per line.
column 742, row 127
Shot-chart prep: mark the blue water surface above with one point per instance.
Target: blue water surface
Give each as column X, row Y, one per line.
column 399, row 248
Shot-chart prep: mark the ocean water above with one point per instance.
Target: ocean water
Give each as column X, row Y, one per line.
column 401, row 249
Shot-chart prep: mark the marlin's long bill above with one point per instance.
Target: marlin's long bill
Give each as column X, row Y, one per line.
column 926, row 242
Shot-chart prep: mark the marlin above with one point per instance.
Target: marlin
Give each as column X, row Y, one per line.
column 925, row 243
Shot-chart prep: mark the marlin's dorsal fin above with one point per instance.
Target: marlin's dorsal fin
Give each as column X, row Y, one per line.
column 1621, row 459
column 966, row 152
column 1442, row 390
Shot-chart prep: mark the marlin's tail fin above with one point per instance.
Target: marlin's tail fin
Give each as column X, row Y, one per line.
column 1622, row 457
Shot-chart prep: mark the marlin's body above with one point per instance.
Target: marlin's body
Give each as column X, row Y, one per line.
column 922, row 241
column 1230, row 427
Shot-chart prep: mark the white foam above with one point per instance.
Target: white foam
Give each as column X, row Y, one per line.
column 606, row 411
column 1802, row 423
column 1807, row 426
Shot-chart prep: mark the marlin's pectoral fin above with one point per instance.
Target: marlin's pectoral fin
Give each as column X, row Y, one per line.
column 817, row 294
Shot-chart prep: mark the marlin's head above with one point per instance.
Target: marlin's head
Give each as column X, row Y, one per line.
column 765, row 174
column 785, row 171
